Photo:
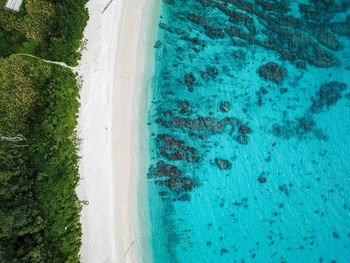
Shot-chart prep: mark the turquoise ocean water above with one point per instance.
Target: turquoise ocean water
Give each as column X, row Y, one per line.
column 249, row 132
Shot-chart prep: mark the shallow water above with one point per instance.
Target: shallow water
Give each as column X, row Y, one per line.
column 250, row 160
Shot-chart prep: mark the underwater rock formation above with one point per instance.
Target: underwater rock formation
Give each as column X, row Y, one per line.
column 288, row 35
column 244, row 129
column 262, row 179
column 242, row 139
column 272, row 71
column 163, row 170
column 175, row 150
column 209, row 124
column 327, row 95
column 225, row 106
column 178, row 185
column 341, row 28
column 223, row 164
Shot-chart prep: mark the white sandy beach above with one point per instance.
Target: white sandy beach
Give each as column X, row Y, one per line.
column 116, row 68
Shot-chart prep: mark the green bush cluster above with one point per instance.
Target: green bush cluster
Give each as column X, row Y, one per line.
column 52, row 29
column 39, row 209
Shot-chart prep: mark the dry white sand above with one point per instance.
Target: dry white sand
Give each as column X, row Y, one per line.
column 116, row 67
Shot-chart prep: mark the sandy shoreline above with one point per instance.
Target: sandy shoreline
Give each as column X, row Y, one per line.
column 134, row 68
column 116, row 70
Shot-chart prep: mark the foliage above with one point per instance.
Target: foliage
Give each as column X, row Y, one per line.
column 38, row 15
column 39, row 209
column 66, row 31
column 18, row 94
column 49, row 28
column 31, row 22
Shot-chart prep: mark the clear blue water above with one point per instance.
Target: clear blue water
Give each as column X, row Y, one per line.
column 276, row 189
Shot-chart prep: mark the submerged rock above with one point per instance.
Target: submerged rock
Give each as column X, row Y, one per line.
column 298, row 128
column 244, row 129
column 272, row 71
column 239, row 54
column 170, row 2
column 184, row 105
column 184, row 197
column 284, row 188
column 342, row 28
column 225, row 106
column 175, row 150
column 196, row 19
column 223, row 164
column 242, row 139
column 158, row 44
column 327, row 95
column 262, row 179
column 163, row 170
column 212, row 70
column 300, row 65
column 178, row 184
column 210, row 124
column 189, row 79
column 223, row 251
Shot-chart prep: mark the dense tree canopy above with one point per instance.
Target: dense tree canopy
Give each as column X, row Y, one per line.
column 47, row 28
column 39, row 209
column 18, row 80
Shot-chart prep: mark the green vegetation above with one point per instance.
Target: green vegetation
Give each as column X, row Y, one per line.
column 52, row 29
column 39, row 209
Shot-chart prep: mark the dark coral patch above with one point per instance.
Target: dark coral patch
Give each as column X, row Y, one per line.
column 272, row 71
column 223, row 164
column 163, row 170
column 178, row 184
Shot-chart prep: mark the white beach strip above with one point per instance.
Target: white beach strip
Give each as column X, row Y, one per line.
column 97, row 68
column 116, row 69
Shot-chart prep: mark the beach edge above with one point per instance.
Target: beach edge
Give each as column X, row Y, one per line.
column 131, row 95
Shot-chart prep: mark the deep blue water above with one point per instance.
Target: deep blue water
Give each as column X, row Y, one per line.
column 249, row 124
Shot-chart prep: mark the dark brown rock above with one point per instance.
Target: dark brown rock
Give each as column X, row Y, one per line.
column 272, row 71
column 244, row 129
column 243, row 139
column 327, row 95
column 262, row 179
column 196, row 19
column 342, row 28
column 184, row 197
column 223, row 164
column 163, row 170
column 189, row 79
column 178, row 184
column 158, row 44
